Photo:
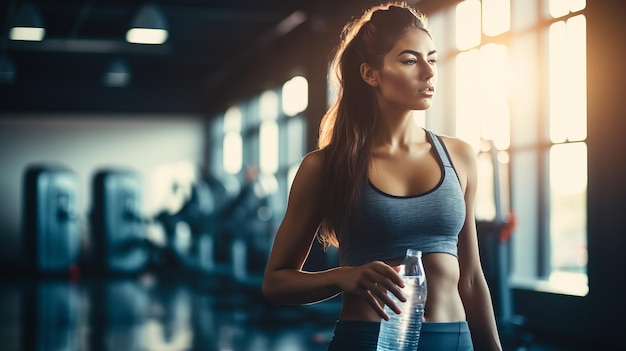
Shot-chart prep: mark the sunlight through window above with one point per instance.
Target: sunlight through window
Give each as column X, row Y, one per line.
column 295, row 95
column 295, row 136
column 568, row 86
column 482, row 102
column 268, row 147
column 233, row 151
column 233, row 143
column 568, row 189
column 495, row 116
column 268, row 105
column 568, row 161
column 232, row 120
column 468, row 97
column 521, row 82
column 468, row 31
column 558, row 8
column 523, row 14
column 492, row 199
column 523, row 87
column 496, row 16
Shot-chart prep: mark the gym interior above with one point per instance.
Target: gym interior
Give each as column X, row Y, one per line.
column 143, row 178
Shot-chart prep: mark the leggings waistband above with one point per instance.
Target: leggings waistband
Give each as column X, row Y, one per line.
column 363, row 336
column 427, row 327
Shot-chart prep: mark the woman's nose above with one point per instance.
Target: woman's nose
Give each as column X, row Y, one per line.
column 427, row 72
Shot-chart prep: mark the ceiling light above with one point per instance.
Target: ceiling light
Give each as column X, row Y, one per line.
column 28, row 24
column 148, row 27
column 118, row 74
column 7, row 70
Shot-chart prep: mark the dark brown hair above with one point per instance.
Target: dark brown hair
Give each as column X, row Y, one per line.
column 348, row 124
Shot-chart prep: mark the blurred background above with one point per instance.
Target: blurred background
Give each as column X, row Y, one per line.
column 147, row 150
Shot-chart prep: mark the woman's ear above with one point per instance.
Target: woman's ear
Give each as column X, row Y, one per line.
column 369, row 75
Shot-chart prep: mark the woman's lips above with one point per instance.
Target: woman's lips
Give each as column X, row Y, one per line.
column 427, row 91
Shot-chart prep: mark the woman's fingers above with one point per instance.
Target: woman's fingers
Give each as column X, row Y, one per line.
column 377, row 286
column 391, row 281
column 389, row 302
column 376, row 282
column 371, row 300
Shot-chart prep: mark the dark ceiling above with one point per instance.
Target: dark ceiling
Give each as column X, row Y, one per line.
column 211, row 44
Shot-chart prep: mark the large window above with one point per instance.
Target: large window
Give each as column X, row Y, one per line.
column 267, row 132
column 513, row 84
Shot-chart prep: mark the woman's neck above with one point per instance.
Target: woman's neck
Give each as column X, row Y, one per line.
column 397, row 128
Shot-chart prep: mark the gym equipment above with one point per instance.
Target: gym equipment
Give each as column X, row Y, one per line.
column 51, row 238
column 117, row 226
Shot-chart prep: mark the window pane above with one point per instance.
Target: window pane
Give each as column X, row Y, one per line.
column 482, row 96
column 558, row 82
column 558, row 8
column 439, row 25
column 251, row 148
column 232, row 120
column 468, row 97
column 496, row 16
column 568, row 193
column 468, row 33
column 568, row 96
column 268, row 105
column 217, row 143
column 268, row 147
column 233, row 152
column 577, row 5
column 577, row 49
column 295, row 95
column 524, row 87
column 295, row 143
column 493, row 87
column 523, row 14
column 525, row 198
column 492, row 196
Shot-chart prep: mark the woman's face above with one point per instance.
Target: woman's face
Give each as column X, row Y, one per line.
column 408, row 75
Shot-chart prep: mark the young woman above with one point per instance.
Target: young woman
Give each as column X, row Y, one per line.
column 380, row 184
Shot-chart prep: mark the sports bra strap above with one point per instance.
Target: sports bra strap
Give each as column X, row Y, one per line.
column 441, row 150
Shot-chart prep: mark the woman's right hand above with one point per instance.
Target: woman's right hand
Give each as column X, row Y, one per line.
column 371, row 282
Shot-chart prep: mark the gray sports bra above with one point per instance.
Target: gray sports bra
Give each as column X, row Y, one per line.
column 389, row 224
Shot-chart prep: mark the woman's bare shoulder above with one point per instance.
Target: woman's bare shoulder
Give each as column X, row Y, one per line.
column 317, row 156
column 459, row 149
column 311, row 171
column 314, row 162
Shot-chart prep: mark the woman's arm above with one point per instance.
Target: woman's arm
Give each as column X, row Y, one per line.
column 473, row 285
column 286, row 283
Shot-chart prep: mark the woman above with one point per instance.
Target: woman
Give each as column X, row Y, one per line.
column 379, row 184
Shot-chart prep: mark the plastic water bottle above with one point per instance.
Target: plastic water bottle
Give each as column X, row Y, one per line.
column 402, row 331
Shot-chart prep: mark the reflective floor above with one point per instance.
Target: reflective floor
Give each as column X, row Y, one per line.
column 146, row 314
column 149, row 314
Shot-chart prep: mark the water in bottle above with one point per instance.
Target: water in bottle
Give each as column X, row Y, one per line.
column 401, row 332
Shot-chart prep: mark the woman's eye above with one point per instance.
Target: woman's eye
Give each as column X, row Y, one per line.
column 410, row 62
column 432, row 62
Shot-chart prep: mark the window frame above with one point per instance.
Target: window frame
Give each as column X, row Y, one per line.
column 441, row 119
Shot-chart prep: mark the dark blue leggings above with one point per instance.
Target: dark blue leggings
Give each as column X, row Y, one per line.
column 363, row 336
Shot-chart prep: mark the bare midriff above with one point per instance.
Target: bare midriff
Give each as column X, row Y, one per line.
column 443, row 302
